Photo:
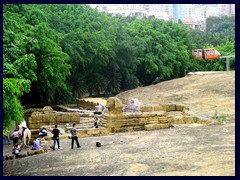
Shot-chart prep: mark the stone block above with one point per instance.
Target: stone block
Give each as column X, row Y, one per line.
column 47, row 109
column 158, row 108
column 34, row 126
column 142, row 120
column 59, row 117
column 35, row 152
column 93, row 131
column 178, row 121
column 45, row 118
column 196, row 119
column 74, row 118
column 149, row 127
column 32, row 120
column 188, row 120
column 52, row 118
column 65, row 118
column 147, row 108
column 172, row 107
column 179, row 108
column 36, row 118
column 205, row 122
column 82, row 133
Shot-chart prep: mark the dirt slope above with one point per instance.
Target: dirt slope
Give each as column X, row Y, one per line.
column 202, row 93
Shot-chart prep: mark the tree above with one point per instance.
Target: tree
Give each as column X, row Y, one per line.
column 19, row 66
column 12, row 90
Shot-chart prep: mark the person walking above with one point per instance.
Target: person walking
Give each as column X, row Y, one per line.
column 55, row 132
column 74, row 136
column 15, row 136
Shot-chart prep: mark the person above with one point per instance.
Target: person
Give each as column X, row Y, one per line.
column 36, row 144
column 43, row 132
column 16, row 149
column 6, row 133
column 55, row 132
column 74, row 136
column 96, row 122
column 15, row 136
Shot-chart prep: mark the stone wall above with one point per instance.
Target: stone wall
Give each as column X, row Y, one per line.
column 39, row 119
column 135, row 121
column 168, row 107
column 151, row 117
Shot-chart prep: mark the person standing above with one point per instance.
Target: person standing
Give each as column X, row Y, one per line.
column 55, row 132
column 15, row 137
column 6, row 133
column 74, row 136
column 96, row 122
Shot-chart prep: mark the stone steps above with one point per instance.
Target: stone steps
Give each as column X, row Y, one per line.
column 84, row 127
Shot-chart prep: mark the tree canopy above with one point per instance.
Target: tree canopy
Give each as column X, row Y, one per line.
column 53, row 54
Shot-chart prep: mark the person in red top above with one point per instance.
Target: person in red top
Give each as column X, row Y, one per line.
column 55, row 132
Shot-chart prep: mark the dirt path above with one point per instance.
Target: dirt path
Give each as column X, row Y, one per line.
column 200, row 150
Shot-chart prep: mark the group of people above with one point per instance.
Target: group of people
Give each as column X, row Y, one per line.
column 19, row 133
column 56, row 133
column 73, row 130
column 36, row 142
column 43, row 133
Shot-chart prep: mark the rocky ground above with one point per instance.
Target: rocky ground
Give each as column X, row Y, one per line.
column 177, row 151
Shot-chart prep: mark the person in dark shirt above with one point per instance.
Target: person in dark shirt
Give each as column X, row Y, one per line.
column 74, row 136
column 55, row 132
column 96, row 122
column 43, row 132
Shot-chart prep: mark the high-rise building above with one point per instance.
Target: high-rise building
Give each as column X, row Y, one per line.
column 227, row 9
column 177, row 12
column 193, row 15
column 168, row 8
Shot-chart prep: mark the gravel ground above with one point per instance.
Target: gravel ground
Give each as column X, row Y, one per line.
column 178, row 151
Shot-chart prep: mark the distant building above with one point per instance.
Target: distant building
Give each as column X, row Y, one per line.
column 201, row 25
column 177, row 13
column 227, row 9
column 128, row 12
column 192, row 15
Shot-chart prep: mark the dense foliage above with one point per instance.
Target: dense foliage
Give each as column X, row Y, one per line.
column 56, row 53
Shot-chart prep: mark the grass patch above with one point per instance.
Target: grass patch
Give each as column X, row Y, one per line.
column 224, row 118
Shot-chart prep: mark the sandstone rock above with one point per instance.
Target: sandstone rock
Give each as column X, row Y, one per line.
column 149, row 127
column 47, row 109
column 114, row 105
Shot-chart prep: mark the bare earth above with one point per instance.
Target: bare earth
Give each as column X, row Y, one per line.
column 179, row 151
column 203, row 94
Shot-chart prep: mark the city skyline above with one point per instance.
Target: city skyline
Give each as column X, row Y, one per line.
column 192, row 15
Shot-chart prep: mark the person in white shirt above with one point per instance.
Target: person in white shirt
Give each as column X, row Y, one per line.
column 15, row 136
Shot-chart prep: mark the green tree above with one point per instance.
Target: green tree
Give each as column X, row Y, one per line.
column 12, row 90
column 19, row 65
